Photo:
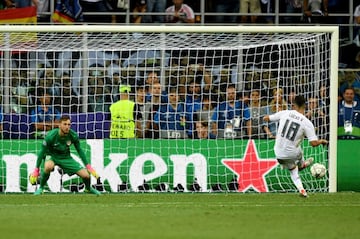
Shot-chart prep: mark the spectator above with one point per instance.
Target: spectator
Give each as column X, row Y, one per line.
column 290, row 98
column 315, row 10
column 99, row 98
column 179, row 13
column 199, row 82
column 151, row 79
column 179, row 80
column 252, row 79
column 25, row 3
column 357, row 25
column 206, row 111
column 125, row 116
column 231, row 117
column 171, row 118
column 351, row 79
column 278, row 103
column 43, row 11
column 264, row 80
column 259, row 128
column 292, row 7
column 202, row 131
column 44, row 117
column 96, row 6
column 41, row 87
column 44, row 85
column 227, row 7
column 192, row 101
column 139, row 9
column 316, row 116
column 250, row 6
column 20, row 93
column 113, row 73
column 155, row 6
column 324, row 99
column 118, row 6
column 5, row 4
column 140, row 103
column 267, row 7
column 66, row 100
column 49, row 81
column 349, row 116
column 151, row 108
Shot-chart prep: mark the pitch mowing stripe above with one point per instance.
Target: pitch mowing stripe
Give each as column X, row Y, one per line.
column 180, row 204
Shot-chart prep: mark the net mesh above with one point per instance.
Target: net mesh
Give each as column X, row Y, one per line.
column 181, row 83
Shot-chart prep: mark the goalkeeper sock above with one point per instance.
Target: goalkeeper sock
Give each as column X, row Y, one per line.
column 294, row 173
column 44, row 178
column 87, row 183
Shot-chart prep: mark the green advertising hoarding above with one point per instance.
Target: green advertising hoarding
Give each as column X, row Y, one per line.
column 249, row 163
column 348, row 165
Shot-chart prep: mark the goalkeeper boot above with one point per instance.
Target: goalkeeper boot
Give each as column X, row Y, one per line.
column 303, row 193
column 93, row 191
column 39, row 191
column 306, row 163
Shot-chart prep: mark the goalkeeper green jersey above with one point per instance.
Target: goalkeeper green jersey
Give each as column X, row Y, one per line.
column 58, row 147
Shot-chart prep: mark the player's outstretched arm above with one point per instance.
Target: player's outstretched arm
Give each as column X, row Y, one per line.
column 83, row 158
column 318, row 142
column 35, row 174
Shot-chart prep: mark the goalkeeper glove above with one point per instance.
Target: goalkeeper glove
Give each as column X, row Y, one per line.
column 34, row 176
column 92, row 171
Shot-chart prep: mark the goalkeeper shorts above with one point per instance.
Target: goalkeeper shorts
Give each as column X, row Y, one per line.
column 69, row 165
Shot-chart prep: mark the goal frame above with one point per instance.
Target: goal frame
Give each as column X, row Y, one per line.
column 334, row 45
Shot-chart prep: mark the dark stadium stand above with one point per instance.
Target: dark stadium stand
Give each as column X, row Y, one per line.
column 87, row 125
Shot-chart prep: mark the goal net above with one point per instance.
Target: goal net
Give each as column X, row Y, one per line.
column 200, row 95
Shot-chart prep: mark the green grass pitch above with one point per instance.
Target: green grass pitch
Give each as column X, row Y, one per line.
column 185, row 216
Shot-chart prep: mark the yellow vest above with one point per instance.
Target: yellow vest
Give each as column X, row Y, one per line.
column 122, row 120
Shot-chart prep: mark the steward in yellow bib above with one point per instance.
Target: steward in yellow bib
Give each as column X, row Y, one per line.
column 124, row 116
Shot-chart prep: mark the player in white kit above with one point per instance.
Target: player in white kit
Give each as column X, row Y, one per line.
column 293, row 127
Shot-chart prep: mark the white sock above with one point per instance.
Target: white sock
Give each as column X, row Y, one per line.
column 296, row 178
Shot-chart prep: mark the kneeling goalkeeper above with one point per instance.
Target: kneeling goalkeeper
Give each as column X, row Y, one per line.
column 57, row 145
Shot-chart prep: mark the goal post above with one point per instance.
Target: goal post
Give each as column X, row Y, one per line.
column 302, row 59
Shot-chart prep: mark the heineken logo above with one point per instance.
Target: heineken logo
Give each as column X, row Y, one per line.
column 132, row 162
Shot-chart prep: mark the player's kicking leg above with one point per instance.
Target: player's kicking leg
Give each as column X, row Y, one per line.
column 305, row 163
column 303, row 193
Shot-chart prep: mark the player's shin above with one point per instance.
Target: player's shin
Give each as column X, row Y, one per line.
column 294, row 173
column 87, row 183
column 44, row 177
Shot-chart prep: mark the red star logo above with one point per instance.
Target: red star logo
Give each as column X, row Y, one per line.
column 250, row 170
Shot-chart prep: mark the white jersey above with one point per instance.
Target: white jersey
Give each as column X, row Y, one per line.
column 293, row 127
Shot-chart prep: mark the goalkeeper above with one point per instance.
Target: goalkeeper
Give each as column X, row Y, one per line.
column 57, row 145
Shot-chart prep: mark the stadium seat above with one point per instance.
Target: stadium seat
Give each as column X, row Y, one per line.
column 17, row 126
